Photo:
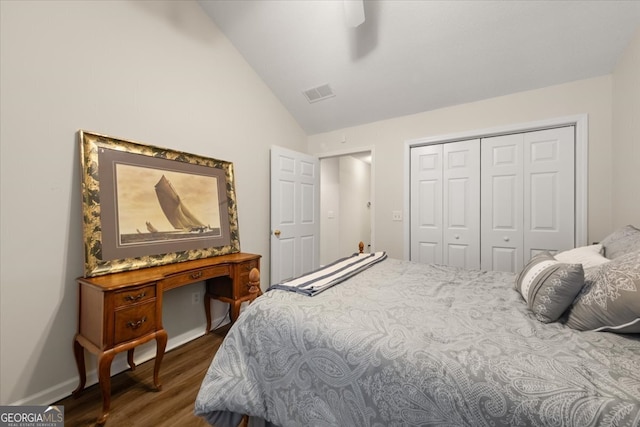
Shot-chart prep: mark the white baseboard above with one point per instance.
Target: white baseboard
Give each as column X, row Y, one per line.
column 65, row 388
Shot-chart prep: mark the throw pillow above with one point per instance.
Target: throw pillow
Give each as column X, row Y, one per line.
column 549, row 286
column 621, row 241
column 610, row 299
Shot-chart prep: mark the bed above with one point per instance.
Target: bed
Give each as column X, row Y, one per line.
column 403, row 343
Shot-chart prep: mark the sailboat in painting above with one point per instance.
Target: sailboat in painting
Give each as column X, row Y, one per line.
column 184, row 222
column 176, row 212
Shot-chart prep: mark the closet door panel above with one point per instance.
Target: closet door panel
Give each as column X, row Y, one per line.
column 549, row 191
column 426, row 204
column 458, row 256
column 505, row 259
column 461, row 215
column 502, row 203
column 427, row 253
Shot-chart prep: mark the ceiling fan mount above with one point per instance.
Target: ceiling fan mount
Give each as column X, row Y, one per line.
column 354, row 12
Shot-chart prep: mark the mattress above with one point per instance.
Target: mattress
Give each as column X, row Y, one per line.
column 404, row 343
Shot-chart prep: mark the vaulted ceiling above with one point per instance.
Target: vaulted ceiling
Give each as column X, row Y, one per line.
column 414, row 56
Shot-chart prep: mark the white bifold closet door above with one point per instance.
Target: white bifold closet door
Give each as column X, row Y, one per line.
column 528, row 196
column 445, row 204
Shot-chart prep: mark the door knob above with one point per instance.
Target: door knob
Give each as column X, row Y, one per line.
column 277, row 233
column 506, row 238
column 457, row 236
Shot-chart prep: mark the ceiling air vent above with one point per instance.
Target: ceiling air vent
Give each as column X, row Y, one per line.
column 318, row 93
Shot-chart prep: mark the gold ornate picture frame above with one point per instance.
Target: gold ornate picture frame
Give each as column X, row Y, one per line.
column 145, row 206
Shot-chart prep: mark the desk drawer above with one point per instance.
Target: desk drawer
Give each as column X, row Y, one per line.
column 132, row 296
column 247, row 266
column 195, row 276
column 134, row 321
column 242, row 283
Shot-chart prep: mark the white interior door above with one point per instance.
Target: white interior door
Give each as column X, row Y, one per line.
column 426, row 204
column 549, row 191
column 528, row 196
column 295, row 206
column 502, row 174
column 461, row 204
column 445, row 204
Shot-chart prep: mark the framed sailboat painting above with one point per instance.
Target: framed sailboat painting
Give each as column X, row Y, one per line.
column 145, row 206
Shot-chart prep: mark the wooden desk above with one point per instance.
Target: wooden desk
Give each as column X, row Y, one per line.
column 120, row 311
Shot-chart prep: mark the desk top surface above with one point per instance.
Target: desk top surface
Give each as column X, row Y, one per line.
column 152, row 274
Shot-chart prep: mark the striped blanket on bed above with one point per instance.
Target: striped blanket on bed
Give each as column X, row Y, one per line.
column 330, row 275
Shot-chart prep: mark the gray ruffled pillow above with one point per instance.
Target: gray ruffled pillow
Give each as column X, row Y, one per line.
column 610, row 299
column 621, row 241
column 549, row 286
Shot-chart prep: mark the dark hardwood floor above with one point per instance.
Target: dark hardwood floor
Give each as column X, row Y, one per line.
column 134, row 400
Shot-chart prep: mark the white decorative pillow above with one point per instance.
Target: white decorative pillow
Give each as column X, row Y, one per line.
column 549, row 286
column 588, row 256
column 610, row 299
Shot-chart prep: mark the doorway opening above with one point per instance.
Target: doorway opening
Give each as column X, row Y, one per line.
column 345, row 204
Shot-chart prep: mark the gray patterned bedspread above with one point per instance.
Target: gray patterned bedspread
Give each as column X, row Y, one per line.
column 406, row 344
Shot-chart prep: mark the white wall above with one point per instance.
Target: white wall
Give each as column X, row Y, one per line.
column 626, row 137
column 591, row 96
column 355, row 223
column 329, row 209
column 159, row 73
column 344, row 215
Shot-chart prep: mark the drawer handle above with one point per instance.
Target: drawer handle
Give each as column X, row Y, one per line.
column 196, row 275
column 136, row 325
column 136, row 297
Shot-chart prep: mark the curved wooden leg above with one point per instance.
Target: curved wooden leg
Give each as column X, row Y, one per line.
column 104, row 378
column 161, row 344
column 244, row 421
column 207, row 311
column 130, row 361
column 78, row 352
column 235, row 310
